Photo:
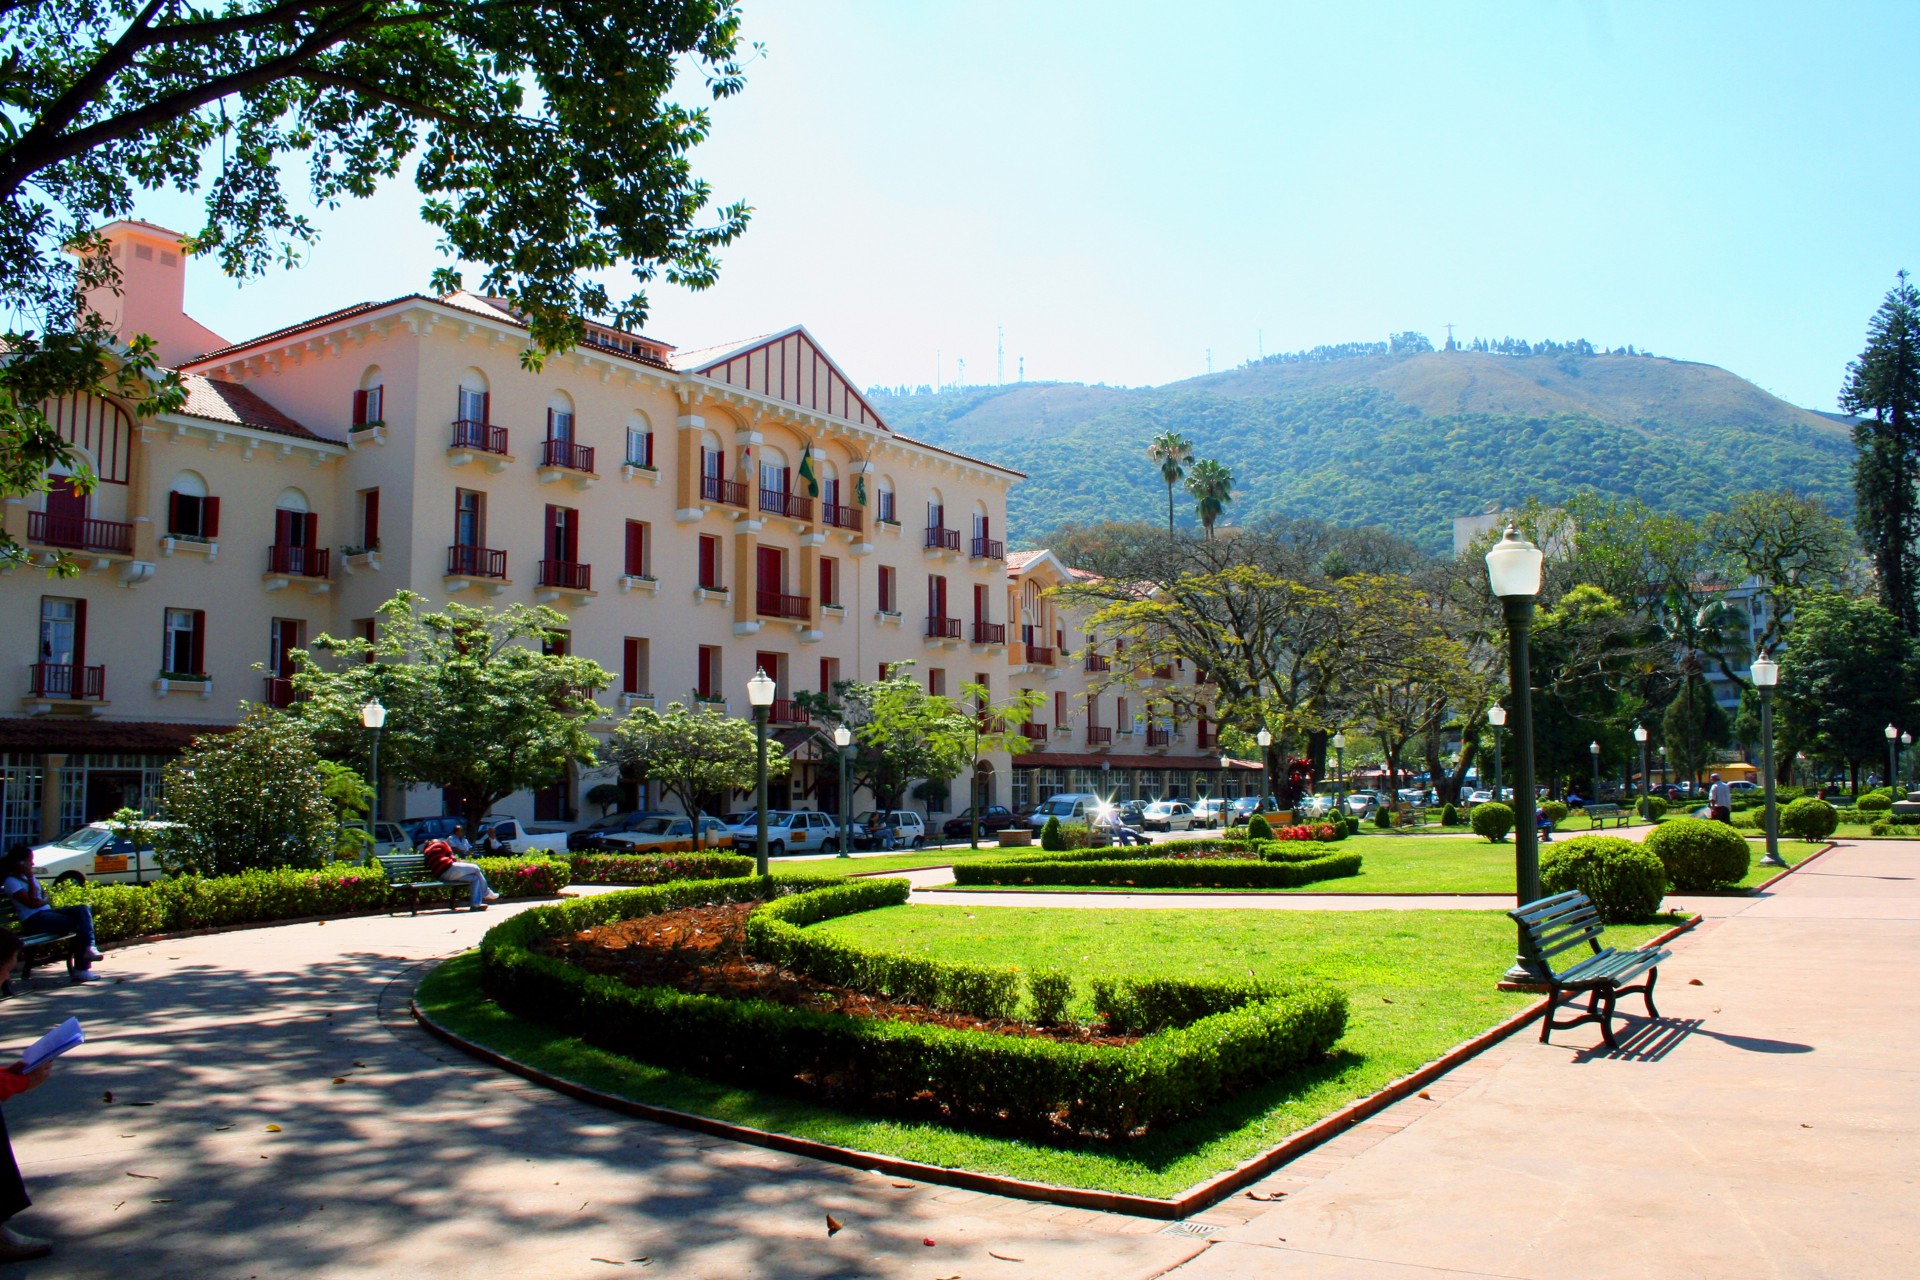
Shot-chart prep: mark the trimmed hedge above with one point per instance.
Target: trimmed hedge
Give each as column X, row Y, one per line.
column 1141, row 1006
column 1556, row 811
column 1879, row 800
column 1701, row 855
column 1258, row 828
column 1492, row 820
column 656, row 868
column 1283, row 872
column 122, row 911
column 976, row 1078
column 1656, row 807
column 1625, row 880
column 1809, row 819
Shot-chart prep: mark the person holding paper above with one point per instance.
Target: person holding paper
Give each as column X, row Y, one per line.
column 16, row 1246
column 37, row 915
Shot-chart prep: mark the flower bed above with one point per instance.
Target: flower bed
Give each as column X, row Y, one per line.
column 656, row 868
column 1026, row 1082
column 1171, row 864
column 122, row 911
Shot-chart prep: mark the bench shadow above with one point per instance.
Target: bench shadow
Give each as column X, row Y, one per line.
column 1644, row 1039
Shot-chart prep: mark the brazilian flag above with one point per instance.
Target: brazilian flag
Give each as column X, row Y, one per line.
column 807, row 473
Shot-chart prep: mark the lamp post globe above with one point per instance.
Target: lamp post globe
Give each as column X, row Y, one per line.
column 1640, row 736
column 1265, row 739
column 1340, row 772
column 1893, row 746
column 1514, row 570
column 843, row 739
column 374, row 717
column 1766, row 675
column 760, row 691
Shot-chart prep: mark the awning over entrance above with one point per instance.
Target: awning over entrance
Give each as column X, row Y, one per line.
column 1093, row 760
column 57, row 735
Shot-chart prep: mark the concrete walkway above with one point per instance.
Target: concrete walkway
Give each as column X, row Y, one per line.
column 1767, row 1126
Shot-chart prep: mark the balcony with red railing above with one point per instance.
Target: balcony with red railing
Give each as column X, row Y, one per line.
column 482, row 437
column 280, row 693
column 776, row 604
column 989, row 633
column 1159, row 737
column 68, row 680
column 841, row 517
column 779, row 502
column 1039, row 655
column 80, row 533
column 1097, row 663
column 1099, row 735
column 1034, row 732
column 989, row 549
column 939, row 539
column 732, row 493
column 787, row 711
column 298, row 562
column 476, row 562
column 566, row 454
column 565, row 575
column 943, row 628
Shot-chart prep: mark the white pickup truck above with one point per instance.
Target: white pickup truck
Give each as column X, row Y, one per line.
column 518, row 837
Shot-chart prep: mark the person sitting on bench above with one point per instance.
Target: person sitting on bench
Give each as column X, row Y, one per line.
column 37, row 915
column 442, row 866
column 1544, row 821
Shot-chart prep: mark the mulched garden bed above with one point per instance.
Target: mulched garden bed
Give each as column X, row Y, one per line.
column 702, row 951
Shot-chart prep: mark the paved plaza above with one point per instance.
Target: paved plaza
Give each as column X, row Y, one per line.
column 259, row 1104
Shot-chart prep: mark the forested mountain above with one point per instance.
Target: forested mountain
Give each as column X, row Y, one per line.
column 1405, row 437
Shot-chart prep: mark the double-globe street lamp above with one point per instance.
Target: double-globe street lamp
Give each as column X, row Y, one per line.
column 760, row 691
column 1646, row 779
column 1766, row 674
column 1513, row 573
column 374, row 717
column 843, row 739
column 1893, row 754
column 1340, row 772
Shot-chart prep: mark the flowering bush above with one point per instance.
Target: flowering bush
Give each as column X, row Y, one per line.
column 655, row 868
column 537, row 876
column 1320, row 832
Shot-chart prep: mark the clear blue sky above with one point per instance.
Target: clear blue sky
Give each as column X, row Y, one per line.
column 1123, row 185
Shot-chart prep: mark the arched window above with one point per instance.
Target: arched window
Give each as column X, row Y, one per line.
column 884, row 501
column 192, row 511
column 936, row 510
column 639, row 440
column 370, row 401
column 560, row 418
column 296, row 535
column 475, row 404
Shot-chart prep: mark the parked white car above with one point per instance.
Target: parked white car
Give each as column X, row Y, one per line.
column 1210, row 812
column 518, row 837
column 94, row 853
column 788, row 831
column 668, row 833
column 1168, row 815
column 1358, row 802
column 909, row 829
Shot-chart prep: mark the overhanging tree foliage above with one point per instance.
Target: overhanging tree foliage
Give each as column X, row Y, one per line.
column 253, row 798
column 473, row 704
column 1883, row 386
column 544, row 139
column 696, row 756
column 1849, row 673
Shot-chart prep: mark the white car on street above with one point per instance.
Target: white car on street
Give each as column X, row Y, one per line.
column 1167, row 815
column 788, row 831
column 94, row 854
column 1210, row 812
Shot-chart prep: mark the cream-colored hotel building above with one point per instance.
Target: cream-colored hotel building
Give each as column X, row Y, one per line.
column 650, row 494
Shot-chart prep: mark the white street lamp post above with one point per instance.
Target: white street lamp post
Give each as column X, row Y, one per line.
column 1766, row 674
column 1514, row 573
column 843, row 739
column 374, row 717
column 760, row 691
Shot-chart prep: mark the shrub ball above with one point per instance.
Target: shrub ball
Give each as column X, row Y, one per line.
column 1656, row 807
column 1555, row 810
column 1809, row 819
column 1492, row 820
column 1875, row 801
column 1258, row 828
column 1699, row 855
column 1051, row 836
column 1449, row 816
column 1625, row 880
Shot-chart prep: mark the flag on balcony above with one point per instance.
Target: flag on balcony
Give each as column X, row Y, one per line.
column 807, row 472
column 860, row 490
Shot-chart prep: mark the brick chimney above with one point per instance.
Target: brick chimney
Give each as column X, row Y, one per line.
column 152, row 297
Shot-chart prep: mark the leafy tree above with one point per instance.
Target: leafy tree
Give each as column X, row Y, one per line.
column 1211, row 485
column 251, row 798
column 473, row 704
column 352, row 797
column 547, row 150
column 1692, row 726
column 1172, row 451
column 901, row 732
column 1883, row 386
column 1787, row 542
column 695, row 755
column 1848, row 674
column 995, row 728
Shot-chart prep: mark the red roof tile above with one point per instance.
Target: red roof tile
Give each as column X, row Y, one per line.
column 220, row 401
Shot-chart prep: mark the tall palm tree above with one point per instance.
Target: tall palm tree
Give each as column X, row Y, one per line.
column 1211, row 485
column 1172, row 451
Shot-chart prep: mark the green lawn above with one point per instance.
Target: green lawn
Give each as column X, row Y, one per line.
column 1419, row 982
column 1431, row 864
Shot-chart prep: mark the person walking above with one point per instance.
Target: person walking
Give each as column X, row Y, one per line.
column 37, row 915
column 15, row 1246
column 1720, row 801
column 444, row 867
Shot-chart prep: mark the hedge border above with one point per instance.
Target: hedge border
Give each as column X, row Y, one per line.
column 1173, row 873
column 1199, row 1196
column 1170, row 1076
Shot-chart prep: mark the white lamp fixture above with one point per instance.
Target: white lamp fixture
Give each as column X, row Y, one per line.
column 1264, row 738
column 1339, row 742
column 373, row 715
column 760, row 689
column 1766, row 672
column 842, row 737
column 1226, row 761
column 1906, row 739
column 1593, row 748
column 1514, row 565
column 1892, row 733
column 1640, row 733
column 1497, row 716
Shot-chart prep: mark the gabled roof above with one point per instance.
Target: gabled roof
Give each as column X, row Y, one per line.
column 1020, row 563
column 220, row 401
column 790, row 366
column 317, row 322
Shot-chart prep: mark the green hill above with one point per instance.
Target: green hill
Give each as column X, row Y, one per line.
column 1406, row 441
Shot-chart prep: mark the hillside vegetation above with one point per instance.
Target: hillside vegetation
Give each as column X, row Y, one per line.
column 1406, row 441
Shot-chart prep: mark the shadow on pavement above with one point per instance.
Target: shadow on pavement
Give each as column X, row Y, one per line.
column 1651, row 1039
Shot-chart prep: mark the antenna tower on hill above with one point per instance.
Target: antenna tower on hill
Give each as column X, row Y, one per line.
column 1000, row 355
column 1023, row 368
column 936, row 371
column 960, row 379
column 1209, row 359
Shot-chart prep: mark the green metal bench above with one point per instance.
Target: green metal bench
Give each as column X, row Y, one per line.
column 1599, row 813
column 407, row 877
column 1562, row 922
column 33, row 949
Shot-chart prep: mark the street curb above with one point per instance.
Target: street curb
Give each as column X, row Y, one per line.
column 1807, row 861
column 1195, row 1198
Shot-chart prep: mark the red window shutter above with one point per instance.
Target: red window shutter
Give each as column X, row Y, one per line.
column 283, row 527
column 310, row 529
column 553, row 530
column 709, row 576
column 79, row 633
column 209, row 517
column 173, row 513
column 370, row 519
column 359, row 408
column 198, row 644
column 1059, row 709
column 486, row 406
column 636, row 548
column 630, row 667
column 826, row 675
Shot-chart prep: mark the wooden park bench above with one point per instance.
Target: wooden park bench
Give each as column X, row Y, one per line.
column 1599, row 813
column 34, row 949
column 407, row 877
column 1562, row 922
